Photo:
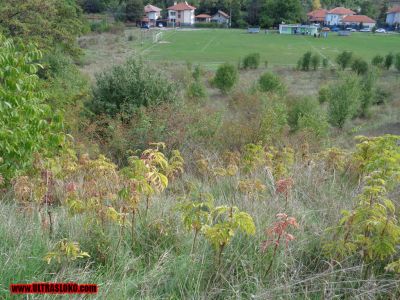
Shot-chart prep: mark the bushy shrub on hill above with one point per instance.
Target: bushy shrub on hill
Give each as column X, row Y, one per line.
column 344, row 100
column 225, row 77
column 270, row 83
column 124, row 88
column 397, row 62
column 344, row 59
column 251, row 61
column 378, row 61
column 360, row 66
column 389, row 60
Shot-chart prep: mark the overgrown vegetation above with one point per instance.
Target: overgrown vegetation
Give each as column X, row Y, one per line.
column 258, row 192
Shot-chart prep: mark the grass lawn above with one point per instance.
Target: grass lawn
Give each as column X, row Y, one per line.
column 214, row 46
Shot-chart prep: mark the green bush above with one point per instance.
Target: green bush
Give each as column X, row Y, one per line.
column 325, row 62
column 225, row 77
column 273, row 122
column 378, row 61
column 344, row 59
column 196, row 90
column 27, row 124
column 126, row 87
column 389, row 60
column 323, row 94
column 270, row 83
column 304, row 63
column 315, row 61
column 315, row 122
column 368, row 93
column 344, row 100
column 381, row 95
column 397, row 62
column 360, row 66
column 251, row 61
column 299, row 108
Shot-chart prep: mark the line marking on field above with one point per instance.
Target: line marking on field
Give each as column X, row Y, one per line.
column 316, row 49
column 209, row 43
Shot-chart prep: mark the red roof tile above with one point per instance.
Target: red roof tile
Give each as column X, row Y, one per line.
column 317, row 15
column 203, row 16
column 341, row 11
column 181, row 6
column 151, row 8
column 395, row 9
column 358, row 19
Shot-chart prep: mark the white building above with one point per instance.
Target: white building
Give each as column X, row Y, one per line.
column 221, row 18
column 335, row 16
column 181, row 14
column 153, row 13
column 393, row 16
column 358, row 20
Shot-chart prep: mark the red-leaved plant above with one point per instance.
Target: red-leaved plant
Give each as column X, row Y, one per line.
column 278, row 233
column 284, row 187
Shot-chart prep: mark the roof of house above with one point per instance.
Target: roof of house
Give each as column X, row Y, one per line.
column 203, row 16
column 223, row 14
column 181, row 6
column 151, row 8
column 394, row 10
column 358, row 19
column 317, row 15
column 341, row 11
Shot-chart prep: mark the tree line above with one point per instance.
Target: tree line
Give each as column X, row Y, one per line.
column 265, row 13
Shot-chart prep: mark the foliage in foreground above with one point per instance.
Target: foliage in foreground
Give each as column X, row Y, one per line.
column 27, row 124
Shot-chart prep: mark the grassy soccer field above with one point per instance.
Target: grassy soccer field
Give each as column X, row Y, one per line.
column 215, row 46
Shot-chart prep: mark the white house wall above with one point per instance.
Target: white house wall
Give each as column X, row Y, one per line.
column 393, row 18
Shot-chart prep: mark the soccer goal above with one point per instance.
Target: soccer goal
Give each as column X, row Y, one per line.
column 157, row 37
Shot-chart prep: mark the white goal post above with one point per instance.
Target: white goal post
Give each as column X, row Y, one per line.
column 157, row 37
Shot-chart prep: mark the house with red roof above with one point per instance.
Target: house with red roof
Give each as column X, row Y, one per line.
column 181, row 14
column 359, row 20
column 221, row 18
column 317, row 16
column 393, row 16
column 152, row 14
column 203, row 18
column 335, row 16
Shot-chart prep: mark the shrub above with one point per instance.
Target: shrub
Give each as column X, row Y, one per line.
column 382, row 95
column 225, row 77
column 298, row 109
column 359, row 66
column 397, row 62
column 251, row 61
column 368, row 93
column 344, row 100
column 323, row 94
column 197, row 90
column 315, row 122
column 378, row 61
column 270, row 83
column 126, row 87
column 389, row 60
column 344, row 59
column 273, row 122
column 315, row 61
column 305, row 62
column 325, row 62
